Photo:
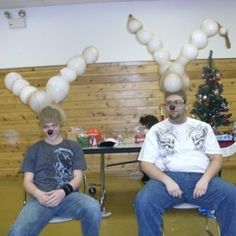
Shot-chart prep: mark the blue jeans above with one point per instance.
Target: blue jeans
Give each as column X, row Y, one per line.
column 153, row 200
column 34, row 216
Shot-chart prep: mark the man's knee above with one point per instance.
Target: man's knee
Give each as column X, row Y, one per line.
column 93, row 209
column 141, row 200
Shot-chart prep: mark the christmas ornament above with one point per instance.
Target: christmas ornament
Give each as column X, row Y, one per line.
column 210, row 105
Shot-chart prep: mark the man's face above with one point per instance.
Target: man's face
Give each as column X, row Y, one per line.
column 175, row 107
column 51, row 129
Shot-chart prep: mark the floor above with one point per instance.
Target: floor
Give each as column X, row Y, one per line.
column 121, row 191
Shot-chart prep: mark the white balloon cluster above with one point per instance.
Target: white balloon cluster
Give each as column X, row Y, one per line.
column 57, row 87
column 173, row 75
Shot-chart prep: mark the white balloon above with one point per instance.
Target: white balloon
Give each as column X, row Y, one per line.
column 38, row 100
column 57, row 88
column 18, row 85
column 68, row 74
column 209, row 27
column 10, row 78
column 198, row 39
column 77, row 64
column 133, row 24
column 154, row 45
column 90, row 55
column 161, row 56
column 26, row 92
column 223, row 31
column 182, row 59
column 172, row 83
column 161, row 84
column 185, row 81
column 164, row 67
column 177, row 68
column 144, row 36
column 189, row 51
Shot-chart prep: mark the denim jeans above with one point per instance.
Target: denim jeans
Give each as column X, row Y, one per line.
column 153, row 200
column 34, row 216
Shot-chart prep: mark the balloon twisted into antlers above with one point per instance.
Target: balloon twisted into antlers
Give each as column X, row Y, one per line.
column 57, row 87
column 173, row 75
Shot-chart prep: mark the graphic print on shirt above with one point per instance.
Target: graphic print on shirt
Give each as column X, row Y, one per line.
column 63, row 166
column 198, row 135
column 166, row 140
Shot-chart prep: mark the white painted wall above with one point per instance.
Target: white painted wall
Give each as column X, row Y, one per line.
column 55, row 34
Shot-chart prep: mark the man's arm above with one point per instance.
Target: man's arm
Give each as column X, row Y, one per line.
column 155, row 173
column 28, row 184
column 77, row 180
column 31, row 188
column 216, row 162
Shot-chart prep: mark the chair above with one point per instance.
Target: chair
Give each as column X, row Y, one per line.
column 61, row 219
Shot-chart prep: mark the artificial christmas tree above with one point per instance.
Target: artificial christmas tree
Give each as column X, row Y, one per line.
column 210, row 106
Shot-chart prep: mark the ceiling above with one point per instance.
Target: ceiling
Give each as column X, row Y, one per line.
column 7, row 4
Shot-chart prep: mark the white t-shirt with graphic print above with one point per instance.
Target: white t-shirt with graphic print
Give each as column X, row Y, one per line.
column 181, row 147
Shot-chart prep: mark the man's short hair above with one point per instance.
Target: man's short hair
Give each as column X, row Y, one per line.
column 181, row 93
column 51, row 114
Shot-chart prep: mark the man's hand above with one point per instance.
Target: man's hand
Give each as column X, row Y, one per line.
column 50, row 199
column 55, row 197
column 200, row 188
column 41, row 196
column 173, row 188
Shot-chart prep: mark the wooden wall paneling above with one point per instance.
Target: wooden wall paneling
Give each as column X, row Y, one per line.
column 109, row 96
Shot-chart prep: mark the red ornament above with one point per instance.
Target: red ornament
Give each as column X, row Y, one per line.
column 95, row 133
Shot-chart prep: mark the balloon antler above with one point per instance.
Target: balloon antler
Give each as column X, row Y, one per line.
column 57, row 87
column 173, row 75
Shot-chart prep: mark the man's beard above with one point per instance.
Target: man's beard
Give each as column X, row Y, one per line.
column 176, row 116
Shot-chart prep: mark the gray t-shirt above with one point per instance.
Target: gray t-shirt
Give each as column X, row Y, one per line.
column 53, row 165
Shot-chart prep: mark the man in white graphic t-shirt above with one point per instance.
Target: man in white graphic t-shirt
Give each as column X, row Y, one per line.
column 182, row 157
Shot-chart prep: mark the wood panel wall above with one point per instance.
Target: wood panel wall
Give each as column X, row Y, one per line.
column 109, row 96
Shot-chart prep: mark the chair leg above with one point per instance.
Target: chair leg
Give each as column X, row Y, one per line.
column 163, row 228
column 208, row 229
column 207, row 225
column 218, row 229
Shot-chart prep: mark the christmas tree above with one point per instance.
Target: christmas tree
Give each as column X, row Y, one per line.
column 210, row 106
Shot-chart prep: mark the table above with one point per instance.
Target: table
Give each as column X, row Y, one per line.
column 132, row 148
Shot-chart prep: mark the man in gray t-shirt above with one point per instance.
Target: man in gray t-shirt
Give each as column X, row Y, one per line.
column 53, row 165
column 53, row 172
